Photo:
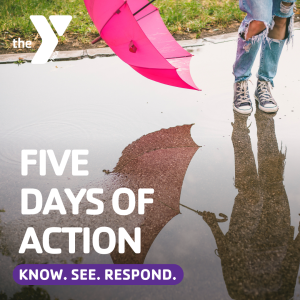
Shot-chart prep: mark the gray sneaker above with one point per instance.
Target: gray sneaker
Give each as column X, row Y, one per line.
column 263, row 96
column 241, row 101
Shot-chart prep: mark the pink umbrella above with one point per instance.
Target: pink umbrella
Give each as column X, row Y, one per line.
column 136, row 33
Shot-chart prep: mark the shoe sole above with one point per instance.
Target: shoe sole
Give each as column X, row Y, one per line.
column 264, row 109
column 243, row 112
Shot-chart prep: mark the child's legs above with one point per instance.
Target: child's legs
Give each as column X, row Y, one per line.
column 281, row 32
column 252, row 30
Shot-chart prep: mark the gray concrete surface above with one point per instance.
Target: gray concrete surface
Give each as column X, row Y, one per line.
column 104, row 106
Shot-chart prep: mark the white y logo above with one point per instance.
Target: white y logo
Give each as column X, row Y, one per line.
column 49, row 39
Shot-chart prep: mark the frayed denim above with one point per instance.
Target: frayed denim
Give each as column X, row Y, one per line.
column 270, row 53
column 271, row 49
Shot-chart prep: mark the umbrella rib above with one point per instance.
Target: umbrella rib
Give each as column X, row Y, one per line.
column 178, row 57
column 147, row 15
column 143, row 7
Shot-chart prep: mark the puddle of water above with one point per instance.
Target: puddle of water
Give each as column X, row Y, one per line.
column 104, row 106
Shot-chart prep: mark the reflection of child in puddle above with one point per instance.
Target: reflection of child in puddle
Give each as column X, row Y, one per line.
column 259, row 258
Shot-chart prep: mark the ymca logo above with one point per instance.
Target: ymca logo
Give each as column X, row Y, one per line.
column 49, row 39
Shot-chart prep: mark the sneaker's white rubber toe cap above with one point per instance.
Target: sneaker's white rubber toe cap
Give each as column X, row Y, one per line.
column 245, row 109
column 268, row 108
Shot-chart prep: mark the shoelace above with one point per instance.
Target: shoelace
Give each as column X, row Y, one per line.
column 242, row 93
column 264, row 93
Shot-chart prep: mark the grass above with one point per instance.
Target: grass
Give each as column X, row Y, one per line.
column 178, row 15
column 15, row 16
column 195, row 15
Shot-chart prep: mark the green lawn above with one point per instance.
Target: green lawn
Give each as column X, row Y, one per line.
column 14, row 15
column 193, row 15
column 178, row 15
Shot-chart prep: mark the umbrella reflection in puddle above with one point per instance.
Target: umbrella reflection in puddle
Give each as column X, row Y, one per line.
column 158, row 160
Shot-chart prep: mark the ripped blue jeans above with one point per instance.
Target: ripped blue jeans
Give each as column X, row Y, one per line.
column 265, row 11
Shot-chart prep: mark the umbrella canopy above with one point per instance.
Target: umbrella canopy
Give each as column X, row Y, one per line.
column 141, row 39
column 158, row 160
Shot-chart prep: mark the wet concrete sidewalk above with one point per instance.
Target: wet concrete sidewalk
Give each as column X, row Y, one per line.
column 246, row 168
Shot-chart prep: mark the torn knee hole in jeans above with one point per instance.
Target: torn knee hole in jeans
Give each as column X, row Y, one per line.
column 285, row 8
column 289, row 32
column 255, row 38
